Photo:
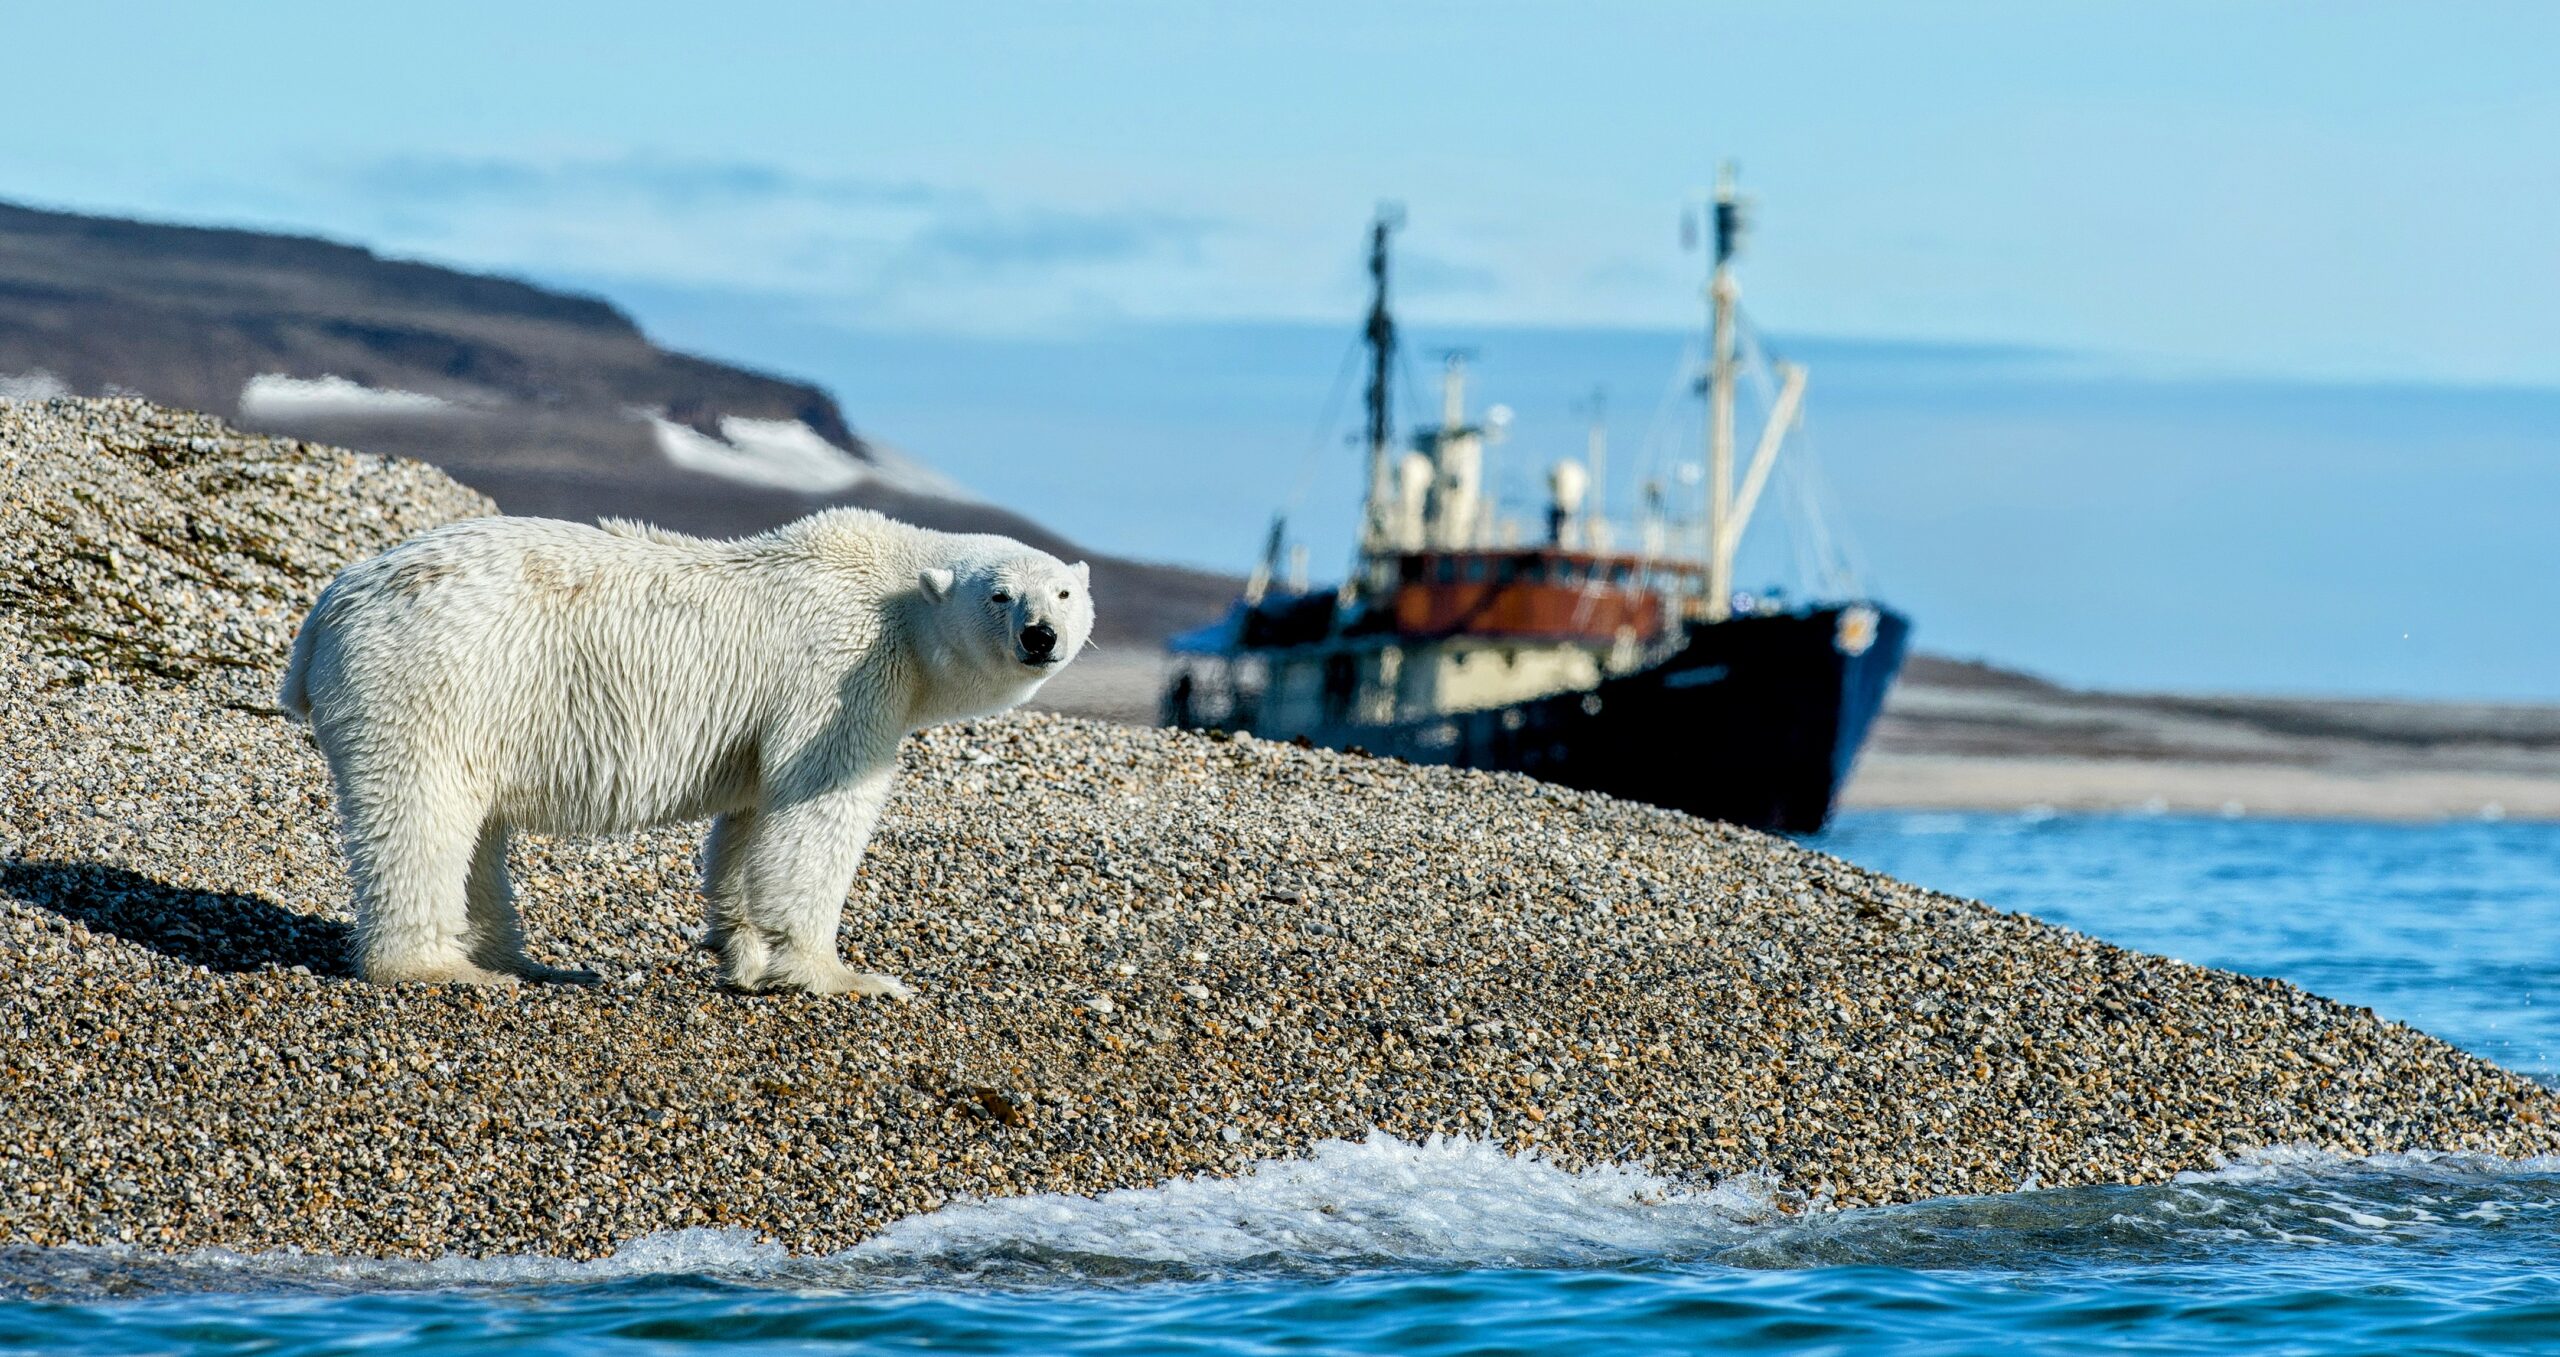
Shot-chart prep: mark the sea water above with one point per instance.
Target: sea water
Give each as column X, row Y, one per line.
column 1377, row 1245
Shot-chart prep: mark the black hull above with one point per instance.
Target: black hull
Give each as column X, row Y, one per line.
column 1756, row 720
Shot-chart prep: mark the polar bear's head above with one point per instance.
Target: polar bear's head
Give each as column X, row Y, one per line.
column 1013, row 617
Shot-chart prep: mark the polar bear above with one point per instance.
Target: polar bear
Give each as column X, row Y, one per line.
column 500, row 674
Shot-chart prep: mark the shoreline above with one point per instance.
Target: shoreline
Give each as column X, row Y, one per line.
column 1966, row 737
column 1912, row 782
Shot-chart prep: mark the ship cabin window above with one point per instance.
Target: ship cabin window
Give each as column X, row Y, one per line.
column 1565, row 572
column 1506, row 571
column 1475, row 570
column 1622, row 574
column 1445, row 569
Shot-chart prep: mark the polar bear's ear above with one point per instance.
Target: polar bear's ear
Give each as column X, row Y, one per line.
column 936, row 584
column 1084, row 573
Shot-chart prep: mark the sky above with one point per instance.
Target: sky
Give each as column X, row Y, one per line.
column 2341, row 189
column 2226, row 311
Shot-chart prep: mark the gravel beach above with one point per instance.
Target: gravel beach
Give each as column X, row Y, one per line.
column 1139, row 954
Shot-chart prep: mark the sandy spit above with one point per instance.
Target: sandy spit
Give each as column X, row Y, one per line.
column 1140, row 954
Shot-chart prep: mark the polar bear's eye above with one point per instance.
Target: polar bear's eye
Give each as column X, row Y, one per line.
column 1001, row 596
column 1062, row 593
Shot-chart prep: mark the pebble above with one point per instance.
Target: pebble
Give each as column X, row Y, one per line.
column 186, row 1060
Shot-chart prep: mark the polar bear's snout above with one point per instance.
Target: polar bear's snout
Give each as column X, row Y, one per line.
column 1048, row 612
column 1039, row 643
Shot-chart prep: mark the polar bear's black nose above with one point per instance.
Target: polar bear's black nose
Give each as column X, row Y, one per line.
column 1038, row 640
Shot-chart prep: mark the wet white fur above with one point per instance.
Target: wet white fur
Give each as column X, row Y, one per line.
column 518, row 673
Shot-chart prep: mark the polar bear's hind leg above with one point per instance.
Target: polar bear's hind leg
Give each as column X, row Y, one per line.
column 496, row 938
column 413, row 919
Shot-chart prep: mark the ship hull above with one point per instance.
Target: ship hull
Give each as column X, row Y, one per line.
column 1755, row 720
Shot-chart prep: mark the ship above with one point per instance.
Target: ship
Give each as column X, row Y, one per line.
column 1623, row 662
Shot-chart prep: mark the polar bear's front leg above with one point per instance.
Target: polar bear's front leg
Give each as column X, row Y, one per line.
column 777, row 879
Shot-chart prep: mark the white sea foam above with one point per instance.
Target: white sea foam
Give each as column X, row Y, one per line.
column 693, row 1252
column 273, row 395
column 1376, row 1202
column 2281, row 1163
column 2301, row 1194
column 1441, row 1202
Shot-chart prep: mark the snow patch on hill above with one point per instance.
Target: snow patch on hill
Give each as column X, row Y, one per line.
column 273, row 395
column 34, row 384
column 786, row 454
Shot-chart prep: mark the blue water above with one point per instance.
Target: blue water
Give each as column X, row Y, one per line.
column 2451, row 928
column 1453, row 1247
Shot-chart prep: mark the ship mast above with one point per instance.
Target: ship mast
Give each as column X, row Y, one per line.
column 1375, row 530
column 1730, row 507
column 1722, row 532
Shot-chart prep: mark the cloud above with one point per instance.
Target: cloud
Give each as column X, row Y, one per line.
column 894, row 250
column 959, row 224
column 673, row 182
column 643, row 208
column 1037, row 238
column 1422, row 274
column 1621, row 275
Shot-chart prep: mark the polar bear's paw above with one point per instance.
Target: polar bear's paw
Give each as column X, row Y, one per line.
column 433, row 971
column 846, row 980
column 839, row 978
column 879, row 986
column 804, row 973
column 466, row 970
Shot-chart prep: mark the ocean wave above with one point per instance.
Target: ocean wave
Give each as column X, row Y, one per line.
column 1443, row 1203
column 2281, row 1163
column 2279, row 1197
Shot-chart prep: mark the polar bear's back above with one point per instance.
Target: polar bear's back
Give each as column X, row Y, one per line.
column 571, row 678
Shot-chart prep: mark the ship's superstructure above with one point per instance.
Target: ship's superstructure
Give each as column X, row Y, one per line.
column 1575, row 650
